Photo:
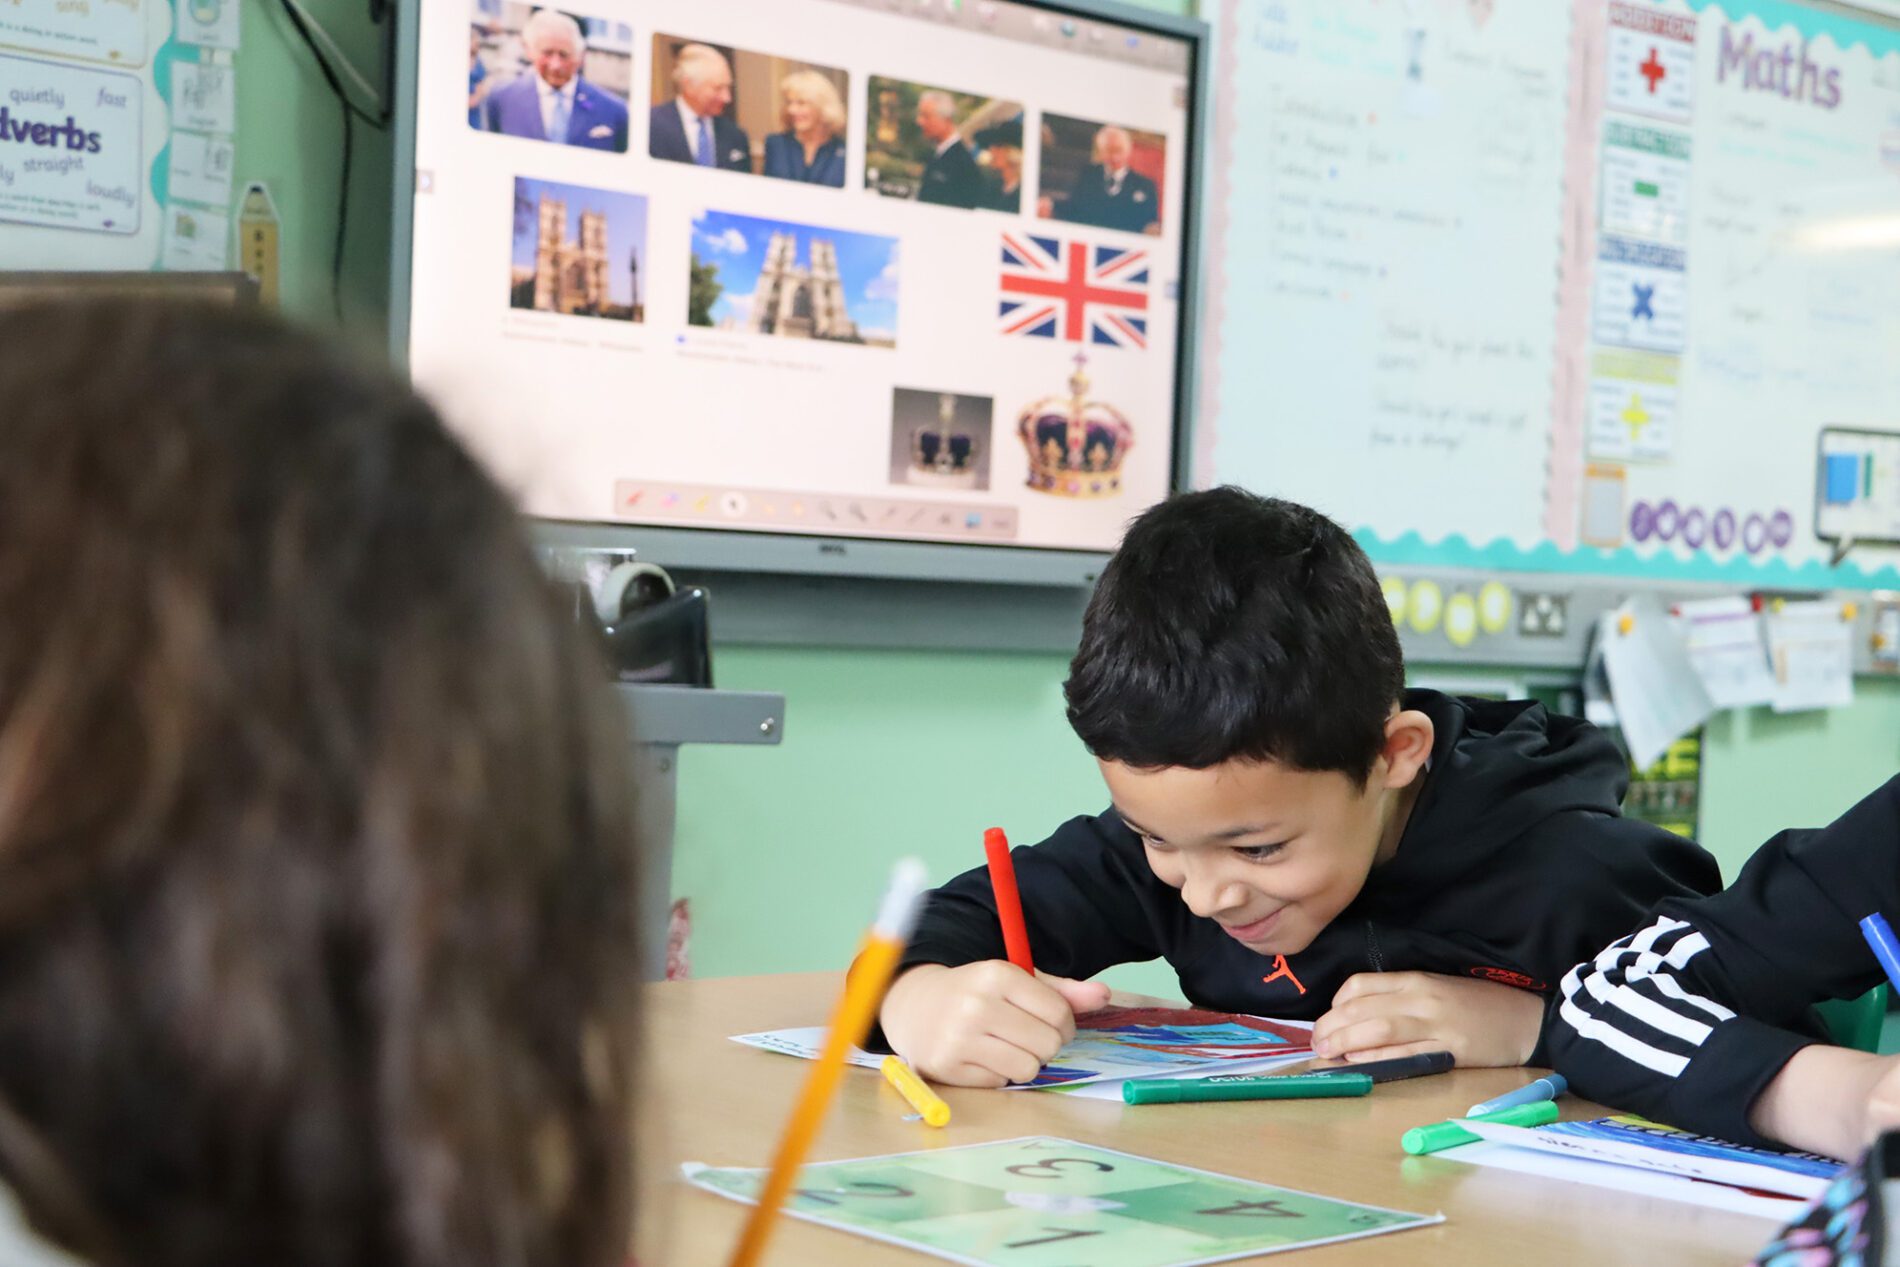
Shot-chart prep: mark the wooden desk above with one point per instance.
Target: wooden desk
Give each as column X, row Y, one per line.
column 723, row 1104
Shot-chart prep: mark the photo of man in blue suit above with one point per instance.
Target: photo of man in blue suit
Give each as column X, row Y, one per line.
column 693, row 127
column 556, row 102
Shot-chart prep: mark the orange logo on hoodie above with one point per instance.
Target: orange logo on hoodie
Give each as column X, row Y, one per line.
column 1281, row 969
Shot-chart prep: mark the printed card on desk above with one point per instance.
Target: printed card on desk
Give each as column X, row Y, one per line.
column 1810, row 651
column 1658, row 694
column 1725, row 644
column 1045, row 1200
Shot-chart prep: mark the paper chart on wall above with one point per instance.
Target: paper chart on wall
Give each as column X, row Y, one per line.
column 92, row 173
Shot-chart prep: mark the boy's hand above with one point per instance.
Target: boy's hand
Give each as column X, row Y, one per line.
column 1830, row 1100
column 983, row 1024
column 1380, row 1015
column 1883, row 1102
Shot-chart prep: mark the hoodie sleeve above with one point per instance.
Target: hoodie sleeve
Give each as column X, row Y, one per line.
column 1688, row 1019
column 1608, row 872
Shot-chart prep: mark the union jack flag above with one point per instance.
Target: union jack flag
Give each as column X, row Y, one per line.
column 1053, row 289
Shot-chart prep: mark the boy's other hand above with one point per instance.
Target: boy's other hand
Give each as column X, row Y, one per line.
column 1883, row 1101
column 983, row 1024
column 1380, row 1015
column 1830, row 1100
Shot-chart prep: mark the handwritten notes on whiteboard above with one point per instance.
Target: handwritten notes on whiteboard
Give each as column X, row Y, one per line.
column 1390, row 309
column 1515, row 282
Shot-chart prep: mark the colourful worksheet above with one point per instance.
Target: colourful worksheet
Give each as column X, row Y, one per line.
column 1044, row 1202
column 1121, row 1042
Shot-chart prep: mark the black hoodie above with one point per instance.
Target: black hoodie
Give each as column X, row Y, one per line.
column 1514, row 865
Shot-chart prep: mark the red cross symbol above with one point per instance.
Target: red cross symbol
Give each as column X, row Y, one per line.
column 1653, row 71
column 1281, row 969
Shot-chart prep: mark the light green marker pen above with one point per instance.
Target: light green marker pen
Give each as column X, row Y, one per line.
column 1429, row 1139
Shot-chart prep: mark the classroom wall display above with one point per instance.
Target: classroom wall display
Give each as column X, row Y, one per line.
column 117, row 134
column 1566, row 287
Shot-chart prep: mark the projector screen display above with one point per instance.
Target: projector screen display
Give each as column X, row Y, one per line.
column 898, row 269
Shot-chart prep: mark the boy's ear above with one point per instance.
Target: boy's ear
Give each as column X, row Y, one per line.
column 1408, row 745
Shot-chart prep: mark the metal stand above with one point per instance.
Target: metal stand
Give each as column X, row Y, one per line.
column 664, row 717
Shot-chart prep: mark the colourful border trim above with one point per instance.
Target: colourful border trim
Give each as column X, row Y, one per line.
column 1500, row 555
column 1878, row 34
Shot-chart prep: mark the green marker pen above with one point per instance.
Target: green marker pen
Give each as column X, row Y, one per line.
column 1301, row 1086
column 1429, row 1139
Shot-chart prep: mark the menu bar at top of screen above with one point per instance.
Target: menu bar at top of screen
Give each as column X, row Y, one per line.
column 1031, row 24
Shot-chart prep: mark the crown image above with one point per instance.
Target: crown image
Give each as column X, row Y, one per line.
column 1076, row 445
column 941, row 455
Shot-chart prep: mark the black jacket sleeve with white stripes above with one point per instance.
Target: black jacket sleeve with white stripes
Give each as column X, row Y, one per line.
column 1689, row 1019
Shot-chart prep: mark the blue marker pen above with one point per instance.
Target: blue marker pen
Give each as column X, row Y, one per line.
column 1886, row 949
column 1548, row 1088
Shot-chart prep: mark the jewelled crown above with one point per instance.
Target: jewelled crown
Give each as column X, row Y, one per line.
column 1076, row 445
column 941, row 455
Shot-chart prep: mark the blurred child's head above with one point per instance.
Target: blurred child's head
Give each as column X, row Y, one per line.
column 316, row 858
column 1238, row 681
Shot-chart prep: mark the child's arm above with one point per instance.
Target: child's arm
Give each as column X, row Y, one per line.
column 1382, row 1015
column 1691, row 1019
column 962, row 1015
column 1830, row 1100
column 1574, row 880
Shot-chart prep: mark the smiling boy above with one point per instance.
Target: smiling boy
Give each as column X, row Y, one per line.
column 1292, row 830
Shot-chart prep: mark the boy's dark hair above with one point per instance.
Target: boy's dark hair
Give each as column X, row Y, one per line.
column 317, row 932
column 1234, row 626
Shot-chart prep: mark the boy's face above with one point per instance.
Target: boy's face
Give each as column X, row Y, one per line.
column 1271, row 853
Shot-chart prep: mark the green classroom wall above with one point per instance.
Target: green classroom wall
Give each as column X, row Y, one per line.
column 782, row 850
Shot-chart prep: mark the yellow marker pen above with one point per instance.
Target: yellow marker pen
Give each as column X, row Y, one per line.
column 916, row 1090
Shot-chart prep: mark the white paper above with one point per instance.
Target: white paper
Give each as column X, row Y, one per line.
column 209, row 23
column 1724, row 637
column 1810, row 652
column 1658, row 695
column 71, row 150
column 204, row 97
column 196, row 240
column 111, row 31
column 202, row 169
column 804, row 1043
column 1650, row 1162
column 1646, row 1183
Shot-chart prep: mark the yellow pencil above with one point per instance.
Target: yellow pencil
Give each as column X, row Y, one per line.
column 916, row 1090
column 863, row 990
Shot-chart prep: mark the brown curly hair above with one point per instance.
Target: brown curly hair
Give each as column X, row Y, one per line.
column 317, row 938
